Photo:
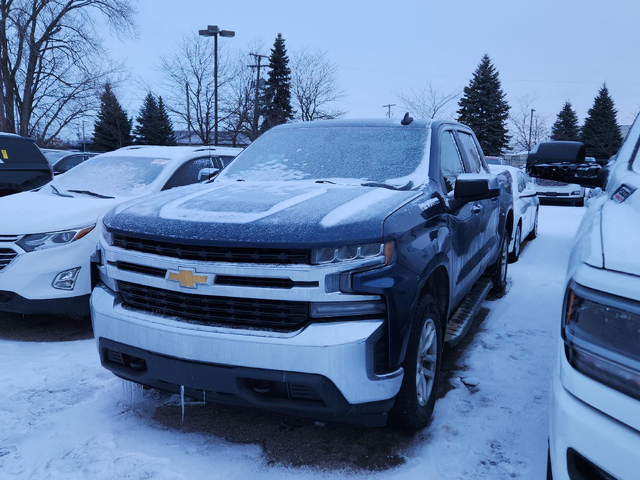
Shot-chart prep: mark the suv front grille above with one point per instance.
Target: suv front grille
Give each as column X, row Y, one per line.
column 543, row 182
column 282, row 256
column 208, row 310
column 6, row 257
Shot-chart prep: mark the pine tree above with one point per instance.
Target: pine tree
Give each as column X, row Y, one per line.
column 166, row 135
column 566, row 125
column 484, row 108
column 276, row 96
column 146, row 130
column 601, row 133
column 112, row 129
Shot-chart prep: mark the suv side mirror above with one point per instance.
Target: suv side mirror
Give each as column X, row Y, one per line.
column 206, row 174
column 476, row 186
column 565, row 162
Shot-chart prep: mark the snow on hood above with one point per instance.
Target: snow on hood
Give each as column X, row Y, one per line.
column 43, row 212
column 258, row 213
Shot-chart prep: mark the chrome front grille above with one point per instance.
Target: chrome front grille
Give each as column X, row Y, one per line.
column 6, row 257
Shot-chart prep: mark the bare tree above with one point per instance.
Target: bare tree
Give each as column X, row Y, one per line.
column 190, row 83
column 522, row 125
column 51, row 61
column 429, row 102
column 314, row 86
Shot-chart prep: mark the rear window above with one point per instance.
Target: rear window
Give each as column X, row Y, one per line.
column 20, row 150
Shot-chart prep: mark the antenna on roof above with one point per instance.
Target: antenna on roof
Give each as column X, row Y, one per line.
column 407, row 119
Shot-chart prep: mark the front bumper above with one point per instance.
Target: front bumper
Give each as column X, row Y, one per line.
column 322, row 355
column 605, row 443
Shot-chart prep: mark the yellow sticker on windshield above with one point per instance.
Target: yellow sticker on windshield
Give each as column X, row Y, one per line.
column 4, row 155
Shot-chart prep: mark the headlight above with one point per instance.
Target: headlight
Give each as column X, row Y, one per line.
column 106, row 236
column 383, row 251
column 601, row 334
column 40, row 241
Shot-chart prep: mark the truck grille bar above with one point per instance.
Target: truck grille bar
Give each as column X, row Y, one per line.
column 209, row 310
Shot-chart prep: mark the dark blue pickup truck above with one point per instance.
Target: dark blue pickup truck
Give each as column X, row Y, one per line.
column 320, row 275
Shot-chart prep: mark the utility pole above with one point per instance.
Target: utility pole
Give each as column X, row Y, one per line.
column 530, row 128
column 188, row 115
column 83, row 137
column 389, row 105
column 256, row 105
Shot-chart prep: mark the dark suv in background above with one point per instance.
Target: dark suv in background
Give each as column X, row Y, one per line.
column 22, row 165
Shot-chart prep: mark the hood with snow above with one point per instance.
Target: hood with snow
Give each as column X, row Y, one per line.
column 295, row 214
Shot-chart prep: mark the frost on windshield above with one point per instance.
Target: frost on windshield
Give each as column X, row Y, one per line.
column 366, row 154
column 112, row 175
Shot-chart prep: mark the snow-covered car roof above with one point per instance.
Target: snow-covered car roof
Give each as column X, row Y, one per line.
column 171, row 153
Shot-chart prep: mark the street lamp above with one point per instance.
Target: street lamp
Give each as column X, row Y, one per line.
column 214, row 31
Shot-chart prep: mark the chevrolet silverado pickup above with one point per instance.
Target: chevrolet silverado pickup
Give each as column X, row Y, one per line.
column 320, row 275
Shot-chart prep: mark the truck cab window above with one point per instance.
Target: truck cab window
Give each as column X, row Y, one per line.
column 450, row 160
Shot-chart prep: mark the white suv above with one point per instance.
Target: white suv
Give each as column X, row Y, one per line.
column 595, row 404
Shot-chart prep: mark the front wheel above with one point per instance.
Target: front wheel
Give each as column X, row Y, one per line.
column 499, row 269
column 417, row 396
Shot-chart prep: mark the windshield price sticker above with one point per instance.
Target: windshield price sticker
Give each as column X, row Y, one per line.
column 5, row 156
column 623, row 193
column 160, row 161
column 138, row 187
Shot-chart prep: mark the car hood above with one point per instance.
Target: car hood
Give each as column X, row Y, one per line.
column 41, row 212
column 620, row 239
column 296, row 214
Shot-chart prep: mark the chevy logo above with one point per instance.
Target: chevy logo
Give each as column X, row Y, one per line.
column 187, row 278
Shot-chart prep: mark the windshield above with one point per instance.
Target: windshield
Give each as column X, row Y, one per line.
column 111, row 175
column 353, row 154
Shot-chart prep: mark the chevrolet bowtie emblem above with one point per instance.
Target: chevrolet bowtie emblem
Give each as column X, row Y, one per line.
column 187, row 278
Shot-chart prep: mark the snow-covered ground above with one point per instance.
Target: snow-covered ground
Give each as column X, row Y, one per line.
column 63, row 417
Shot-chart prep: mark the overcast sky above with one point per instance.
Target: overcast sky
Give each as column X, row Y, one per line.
column 561, row 50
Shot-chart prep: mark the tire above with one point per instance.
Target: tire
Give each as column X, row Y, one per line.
column 499, row 269
column 534, row 231
column 517, row 245
column 414, row 403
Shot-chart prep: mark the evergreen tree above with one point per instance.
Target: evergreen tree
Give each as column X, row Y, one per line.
column 166, row 135
column 112, row 129
column 601, row 133
column 566, row 125
column 276, row 95
column 146, row 130
column 484, row 108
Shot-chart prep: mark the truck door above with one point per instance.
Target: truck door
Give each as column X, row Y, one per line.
column 487, row 211
column 461, row 218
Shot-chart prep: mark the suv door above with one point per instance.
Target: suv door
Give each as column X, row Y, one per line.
column 22, row 165
column 487, row 211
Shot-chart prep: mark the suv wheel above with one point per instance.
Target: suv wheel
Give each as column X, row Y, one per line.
column 534, row 231
column 417, row 396
column 499, row 269
column 517, row 244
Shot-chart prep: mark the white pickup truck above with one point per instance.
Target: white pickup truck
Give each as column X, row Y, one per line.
column 595, row 405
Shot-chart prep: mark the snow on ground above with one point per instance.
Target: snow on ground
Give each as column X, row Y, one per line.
column 63, row 417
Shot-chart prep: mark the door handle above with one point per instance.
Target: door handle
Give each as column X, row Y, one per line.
column 477, row 208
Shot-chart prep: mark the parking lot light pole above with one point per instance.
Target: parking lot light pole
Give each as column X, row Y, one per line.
column 214, row 31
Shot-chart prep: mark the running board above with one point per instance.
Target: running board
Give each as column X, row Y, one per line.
column 460, row 322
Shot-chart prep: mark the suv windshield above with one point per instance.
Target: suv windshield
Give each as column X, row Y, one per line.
column 111, row 175
column 354, row 154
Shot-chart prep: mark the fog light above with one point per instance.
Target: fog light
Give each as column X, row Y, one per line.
column 577, row 192
column 66, row 280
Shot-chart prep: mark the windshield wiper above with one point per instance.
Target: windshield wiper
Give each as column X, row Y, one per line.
column 57, row 192
column 325, row 181
column 386, row 185
column 93, row 194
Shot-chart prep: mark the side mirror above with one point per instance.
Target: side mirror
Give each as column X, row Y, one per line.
column 472, row 186
column 206, row 174
column 565, row 162
column 527, row 192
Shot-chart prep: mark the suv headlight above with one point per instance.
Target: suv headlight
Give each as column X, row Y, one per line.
column 383, row 251
column 106, row 235
column 40, row 241
column 601, row 333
